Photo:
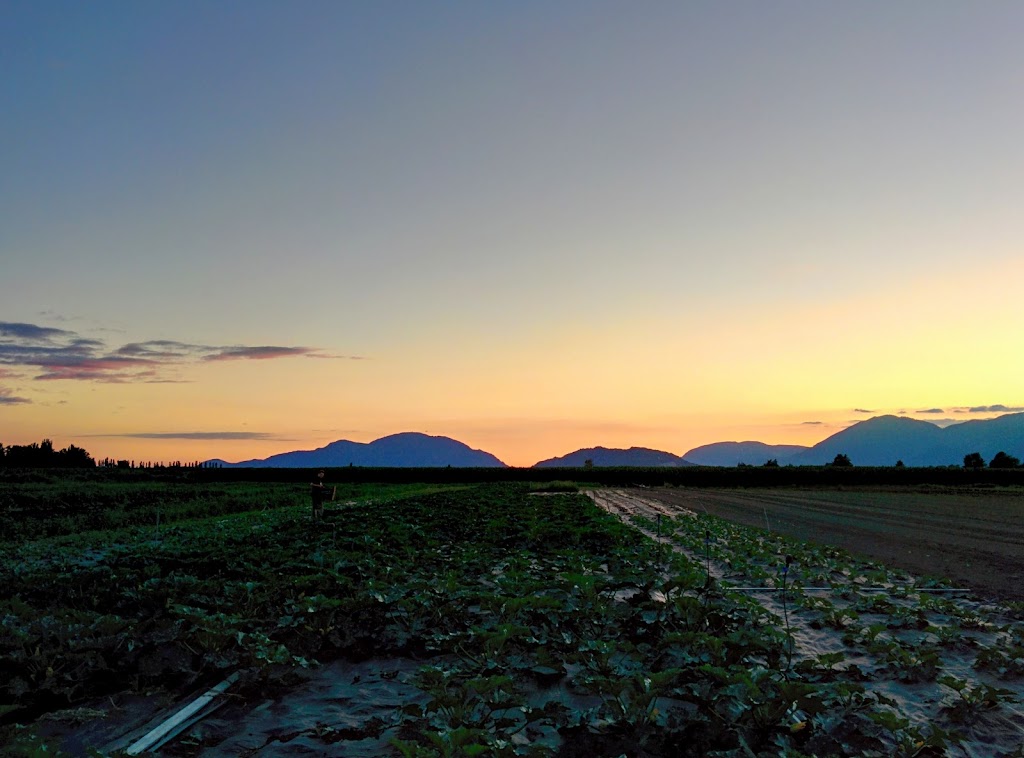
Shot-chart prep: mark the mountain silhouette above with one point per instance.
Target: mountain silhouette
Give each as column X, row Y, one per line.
column 883, row 440
column 403, row 450
column 603, row 456
column 878, row 441
column 735, row 453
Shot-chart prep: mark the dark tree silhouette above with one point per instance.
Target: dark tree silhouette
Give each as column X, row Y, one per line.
column 900, row 464
column 1002, row 460
column 841, row 459
column 42, row 455
column 974, row 460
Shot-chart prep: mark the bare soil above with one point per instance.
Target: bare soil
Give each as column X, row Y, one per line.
column 973, row 537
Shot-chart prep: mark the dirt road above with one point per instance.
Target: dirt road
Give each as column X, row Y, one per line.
column 976, row 538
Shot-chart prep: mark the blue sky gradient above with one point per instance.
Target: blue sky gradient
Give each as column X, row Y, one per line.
column 683, row 222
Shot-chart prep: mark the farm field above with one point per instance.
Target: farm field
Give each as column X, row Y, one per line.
column 905, row 640
column 457, row 620
column 972, row 536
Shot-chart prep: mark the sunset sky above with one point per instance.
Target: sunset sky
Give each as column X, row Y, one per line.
column 231, row 229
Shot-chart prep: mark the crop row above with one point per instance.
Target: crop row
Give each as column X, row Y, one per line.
column 860, row 624
column 543, row 624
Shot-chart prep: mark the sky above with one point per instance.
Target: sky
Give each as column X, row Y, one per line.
column 232, row 229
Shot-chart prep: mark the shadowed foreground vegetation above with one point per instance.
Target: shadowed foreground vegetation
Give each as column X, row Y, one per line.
column 528, row 622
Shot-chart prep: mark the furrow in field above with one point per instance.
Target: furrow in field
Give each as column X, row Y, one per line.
column 879, row 518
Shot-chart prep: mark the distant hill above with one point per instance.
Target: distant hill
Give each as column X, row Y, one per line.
column 404, row 450
column 604, row 456
column 883, row 440
column 735, row 453
column 987, row 437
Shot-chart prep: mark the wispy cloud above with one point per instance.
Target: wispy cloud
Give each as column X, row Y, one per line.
column 329, row 356
column 6, row 398
column 194, row 436
column 931, row 410
column 998, row 408
column 862, row 410
column 159, row 350
column 811, row 423
column 50, row 315
column 259, row 353
column 60, row 354
column 32, row 334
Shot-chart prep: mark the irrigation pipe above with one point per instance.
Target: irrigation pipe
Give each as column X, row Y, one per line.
column 167, row 727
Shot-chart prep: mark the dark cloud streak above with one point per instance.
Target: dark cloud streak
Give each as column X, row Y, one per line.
column 998, row 408
column 65, row 355
column 161, row 349
column 31, row 332
column 193, row 436
column 259, row 353
column 6, row 398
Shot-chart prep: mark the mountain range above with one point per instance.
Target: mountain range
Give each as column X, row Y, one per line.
column 883, row 440
column 879, row 441
column 603, row 456
column 404, row 450
column 735, row 453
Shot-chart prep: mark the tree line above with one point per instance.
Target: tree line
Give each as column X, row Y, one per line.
column 999, row 460
column 44, row 455
column 157, row 465
column 971, row 461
